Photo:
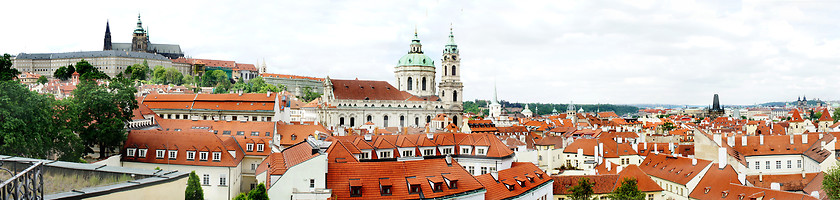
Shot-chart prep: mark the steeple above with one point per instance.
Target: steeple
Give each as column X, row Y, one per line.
column 495, row 97
column 107, row 45
column 139, row 28
column 416, row 47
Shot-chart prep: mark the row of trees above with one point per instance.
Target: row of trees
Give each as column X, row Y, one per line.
column 39, row 126
column 629, row 190
column 546, row 108
column 84, row 68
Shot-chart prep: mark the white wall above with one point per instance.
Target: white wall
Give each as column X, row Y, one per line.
column 298, row 176
column 212, row 191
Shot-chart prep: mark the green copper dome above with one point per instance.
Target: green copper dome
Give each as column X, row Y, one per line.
column 416, row 59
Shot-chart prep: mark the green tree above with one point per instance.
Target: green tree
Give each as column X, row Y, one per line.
column 258, row 193
column 831, row 182
column 241, row 196
column 582, row 191
column 194, row 191
column 667, row 126
column 42, row 79
column 87, row 71
column 34, row 125
column 137, row 71
column 6, row 70
column 61, row 73
column 309, row 94
column 102, row 112
column 836, row 114
column 629, row 190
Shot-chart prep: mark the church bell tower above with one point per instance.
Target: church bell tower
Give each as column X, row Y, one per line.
column 140, row 41
column 451, row 87
column 107, row 45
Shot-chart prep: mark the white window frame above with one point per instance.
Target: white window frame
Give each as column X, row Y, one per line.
column 173, row 154
column 202, row 156
column 217, row 156
column 408, row 153
column 160, row 153
column 260, row 147
column 205, row 180
column 428, row 152
column 190, row 155
column 465, row 150
column 130, row 151
column 249, row 147
column 222, row 180
column 141, row 153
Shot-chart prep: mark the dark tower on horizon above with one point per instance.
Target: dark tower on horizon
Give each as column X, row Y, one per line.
column 107, row 45
column 716, row 110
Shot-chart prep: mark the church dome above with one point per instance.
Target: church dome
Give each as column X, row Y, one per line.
column 416, row 59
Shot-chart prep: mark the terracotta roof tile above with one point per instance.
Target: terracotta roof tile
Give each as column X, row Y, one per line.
column 370, row 90
column 182, row 141
column 675, row 169
column 400, row 173
column 528, row 173
column 723, row 184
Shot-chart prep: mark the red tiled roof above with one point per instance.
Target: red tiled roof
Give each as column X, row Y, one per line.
column 370, row 90
column 199, row 141
column 289, row 134
column 399, row 173
column 602, row 184
column 675, row 169
column 789, row 182
column 826, row 115
column 496, row 149
column 723, row 184
column 528, row 173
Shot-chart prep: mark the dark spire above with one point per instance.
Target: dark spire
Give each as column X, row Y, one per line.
column 107, row 45
column 716, row 103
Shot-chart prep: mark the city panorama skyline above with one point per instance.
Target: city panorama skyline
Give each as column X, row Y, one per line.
column 672, row 52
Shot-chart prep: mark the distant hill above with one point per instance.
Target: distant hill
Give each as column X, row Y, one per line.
column 546, row 108
column 782, row 104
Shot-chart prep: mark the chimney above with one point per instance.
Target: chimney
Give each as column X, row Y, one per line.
column 655, row 148
column 367, row 137
column 693, row 161
column 821, row 135
column 791, row 139
column 760, row 177
column 671, row 148
column 742, row 178
column 730, row 140
column 618, row 169
column 761, row 139
column 645, row 146
column 495, row 175
column 804, row 138
column 635, row 147
column 744, row 140
column 430, row 135
column 775, row 186
column 448, row 160
column 268, row 94
column 803, row 174
column 601, row 148
column 597, row 160
column 609, row 166
column 718, row 139
column 722, row 157
column 580, row 153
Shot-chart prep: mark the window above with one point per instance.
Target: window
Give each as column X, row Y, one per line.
column 447, row 151
column 294, row 137
column 341, row 121
column 190, row 155
column 428, row 152
column 414, row 189
column 160, row 153
column 767, row 165
column 409, row 83
column 206, row 179
column 249, row 147
column 240, row 132
column 407, row 153
column 222, row 179
column 650, row 196
column 260, row 147
column 386, row 190
column 142, row 153
column 253, row 118
column 757, row 165
column 778, row 164
column 364, row 155
column 202, row 156
column 234, row 118
column 384, row 154
column 483, row 170
column 492, row 169
column 253, row 166
column 385, row 121
column 424, row 83
column 255, row 133
column 352, row 121
column 465, row 150
column 225, row 132
column 173, row 154
column 798, row 164
column 130, row 151
column 471, row 169
column 417, row 121
column 438, row 187
column 311, row 183
column 480, row 151
column 789, row 164
column 267, row 133
column 356, row 191
column 454, row 95
column 402, row 121
column 217, row 156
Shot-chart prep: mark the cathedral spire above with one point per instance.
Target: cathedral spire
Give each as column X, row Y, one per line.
column 495, row 95
column 107, row 45
column 139, row 28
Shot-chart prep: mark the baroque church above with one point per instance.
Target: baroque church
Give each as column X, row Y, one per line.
column 140, row 43
column 416, row 101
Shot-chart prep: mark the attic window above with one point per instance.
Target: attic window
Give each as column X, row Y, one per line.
column 706, row 190
column 724, row 194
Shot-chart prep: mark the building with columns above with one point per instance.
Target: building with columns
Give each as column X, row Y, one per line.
column 413, row 102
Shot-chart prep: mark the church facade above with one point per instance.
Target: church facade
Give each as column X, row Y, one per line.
column 140, row 43
column 416, row 99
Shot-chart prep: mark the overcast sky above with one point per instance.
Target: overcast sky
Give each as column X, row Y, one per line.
column 639, row 51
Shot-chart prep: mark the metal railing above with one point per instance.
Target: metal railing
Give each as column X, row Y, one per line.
column 27, row 184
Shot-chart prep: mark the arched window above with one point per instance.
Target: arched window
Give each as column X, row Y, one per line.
column 352, row 121
column 424, row 83
column 409, row 83
column 369, row 118
column 453, row 70
column 455, row 120
column 385, row 121
column 454, row 95
column 402, row 121
column 416, row 121
column 341, row 121
column 428, row 119
column 445, row 70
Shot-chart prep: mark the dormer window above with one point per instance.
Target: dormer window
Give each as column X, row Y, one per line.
column 438, row 187
column 190, row 155
column 142, row 153
column 355, row 187
column 249, row 147
column 413, row 189
column 385, row 186
column 217, row 156
column 202, row 156
column 255, row 133
column 260, row 147
column 240, row 132
column 294, row 137
column 160, row 153
column 173, row 154
column 130, row 151
column 465, row 150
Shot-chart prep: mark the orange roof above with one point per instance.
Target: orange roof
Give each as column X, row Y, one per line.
column 526, row 172
column 196, row 141
column 609, row 114
column 826, row 115
column 399, row 173
column 369, row 90
column 675, row 169
column 289, row 134
column 796, row 116
column 723, row 184
column 789, row 182
column 495, row 148
column 290, row 76
column 612, row 149
column 602, row 184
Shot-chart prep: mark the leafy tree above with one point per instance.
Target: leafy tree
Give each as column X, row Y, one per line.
column 831, row 182
column 258, row 193
column 87, row 71
column 34, row 125
column 241, row 196
column 70, row 70
column 42, row 79
column 194, row 191
column 6, row 70
column 102, row 111
column 583, row 190
column 137, row 71
column 61, row 73
column 309, row 94
column 836, row 114
column 667, row 126
column 629, row 190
